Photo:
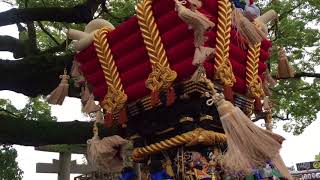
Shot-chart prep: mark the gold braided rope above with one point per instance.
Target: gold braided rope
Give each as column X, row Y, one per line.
column 115, row 98
column 197, row 136
column 161, row 76
column 222, row 64
column 253, row 80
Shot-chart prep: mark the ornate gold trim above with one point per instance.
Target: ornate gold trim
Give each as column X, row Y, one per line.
column 197, row 136
column 206, row 117
column 161, row 76
column 186, row 119
column 222, row 64
column 253, row 81
column 115, row 98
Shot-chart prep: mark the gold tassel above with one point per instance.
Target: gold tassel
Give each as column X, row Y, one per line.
column 196, row 20
column 248, row 145
column 285, row 69
column 246, row 29
column 91, row 106
column 57, row 95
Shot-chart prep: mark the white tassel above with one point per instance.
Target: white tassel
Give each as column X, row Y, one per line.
column 99, row 117
column 196, row 20
column 91, row 106
column 285, row 69
column 201, row 54
column 266, row 103
column 195, row 3
column 58, row 95
column 282, row 168
column 246, row 29
column 102, row 153
column 249, row 146
column 75, row 69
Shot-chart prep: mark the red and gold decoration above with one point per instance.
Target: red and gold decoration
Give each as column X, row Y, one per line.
column 223, row 66
column 254, row 82
column 177, row 78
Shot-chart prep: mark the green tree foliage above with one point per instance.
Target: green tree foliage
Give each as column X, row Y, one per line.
column 8, row 165
column 35, row 109
column 317, row 157
column 297, row 30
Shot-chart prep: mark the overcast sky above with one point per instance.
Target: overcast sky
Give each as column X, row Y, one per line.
column 295, row 149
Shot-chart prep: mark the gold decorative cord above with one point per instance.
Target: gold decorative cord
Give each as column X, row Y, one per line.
column 197, row 136
column 222, row 64
column 115, row 98
column 253, row 80
column 161, row 76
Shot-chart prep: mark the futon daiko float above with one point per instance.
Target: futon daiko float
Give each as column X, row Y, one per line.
column 181, row 80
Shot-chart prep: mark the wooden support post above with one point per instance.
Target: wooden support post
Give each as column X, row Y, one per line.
column 64, row 166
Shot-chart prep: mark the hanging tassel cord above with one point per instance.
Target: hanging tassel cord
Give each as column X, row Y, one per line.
column 246, row 29
column 285, row 69
column 249, row 146
column 58, row 95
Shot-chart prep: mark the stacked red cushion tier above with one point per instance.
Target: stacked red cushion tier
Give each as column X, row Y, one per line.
column 132, row 59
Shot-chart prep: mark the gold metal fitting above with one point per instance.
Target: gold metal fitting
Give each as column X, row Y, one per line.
column 186, row 119
column 206, row 117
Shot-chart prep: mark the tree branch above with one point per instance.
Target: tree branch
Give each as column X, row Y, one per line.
column 21, row 48
column 32, row 38
column 283, row 15
column 17, row 47
column 48, row 33
column 15, row 130
column 82, row 13
column 263, row 115
column 59, row 48
column 9, row 112
column 302, row 75
column 34, row 75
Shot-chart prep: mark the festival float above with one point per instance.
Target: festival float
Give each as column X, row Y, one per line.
column 181, row 81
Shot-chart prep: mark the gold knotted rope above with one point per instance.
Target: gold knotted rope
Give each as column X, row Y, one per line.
column 222, row 63
column 115, row 98
column 253, row 81
column 195, row 137
column 161, row 76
